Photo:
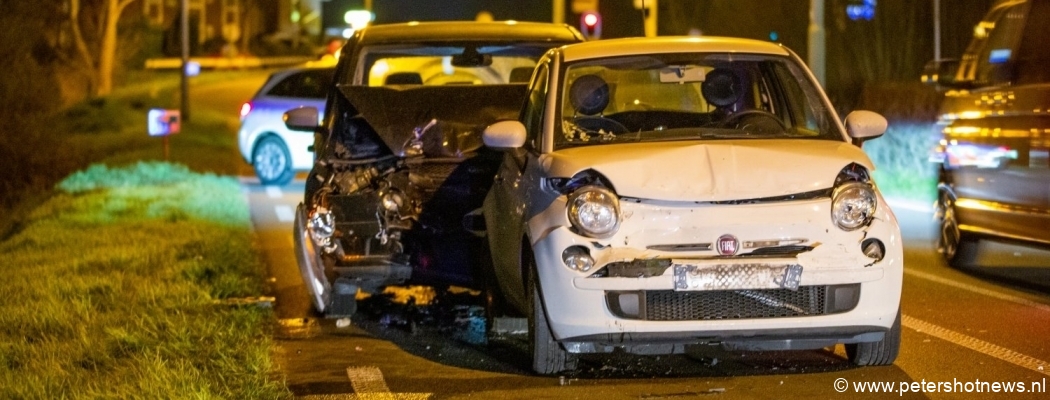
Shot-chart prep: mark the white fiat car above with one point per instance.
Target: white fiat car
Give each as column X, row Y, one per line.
column 659, row 193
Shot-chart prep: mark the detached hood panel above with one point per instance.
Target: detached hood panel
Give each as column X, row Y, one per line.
column 459, row 114
column 711, row 171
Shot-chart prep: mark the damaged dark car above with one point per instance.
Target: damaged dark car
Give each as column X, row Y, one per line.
column 401, row 171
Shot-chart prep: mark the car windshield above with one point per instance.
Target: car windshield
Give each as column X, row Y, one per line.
column 689, row 96
column 473, row 63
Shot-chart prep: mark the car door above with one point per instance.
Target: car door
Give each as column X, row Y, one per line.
column 507, row 204
column 1000, row 172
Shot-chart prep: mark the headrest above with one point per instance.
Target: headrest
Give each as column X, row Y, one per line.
column 722, row 87
column 404, row 78
column 589, row 94
column 521, row 74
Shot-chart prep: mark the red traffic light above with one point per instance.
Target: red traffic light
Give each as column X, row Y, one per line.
column 591, row 25
column 591, row 19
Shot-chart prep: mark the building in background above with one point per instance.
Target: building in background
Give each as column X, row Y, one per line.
column 232, row 27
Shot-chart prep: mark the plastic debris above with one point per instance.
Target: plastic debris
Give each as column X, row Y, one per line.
column 342, row 322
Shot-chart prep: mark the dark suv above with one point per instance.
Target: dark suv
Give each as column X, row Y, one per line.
column 995, row 119
column 401, row 171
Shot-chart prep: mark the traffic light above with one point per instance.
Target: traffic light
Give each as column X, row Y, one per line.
column 591, row 25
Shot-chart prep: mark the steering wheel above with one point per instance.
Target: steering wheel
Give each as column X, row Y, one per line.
column 594, row 123
column 761, row 117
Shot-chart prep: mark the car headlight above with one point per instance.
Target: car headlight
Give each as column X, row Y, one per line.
column 853, row 205
column 594, row 211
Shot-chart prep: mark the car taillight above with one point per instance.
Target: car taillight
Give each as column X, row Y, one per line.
column 245, row 109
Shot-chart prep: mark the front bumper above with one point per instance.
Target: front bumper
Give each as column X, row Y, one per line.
column 579, row 308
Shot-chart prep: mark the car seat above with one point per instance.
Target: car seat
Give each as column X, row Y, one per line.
column 520, row 75
column 589, row 96
column 403, row 78
column 722, row 88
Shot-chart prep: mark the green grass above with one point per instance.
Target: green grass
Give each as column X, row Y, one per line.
column 113, row 273
column 110, row 288
column 902, row 169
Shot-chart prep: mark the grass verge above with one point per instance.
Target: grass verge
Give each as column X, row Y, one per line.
column 114, row 275
column 111, row 288
column 901, row 155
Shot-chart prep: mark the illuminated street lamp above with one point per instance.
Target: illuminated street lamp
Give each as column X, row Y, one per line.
column 357, row 19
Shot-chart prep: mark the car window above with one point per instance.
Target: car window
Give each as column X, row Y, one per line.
column 475, row 63
column 532, row 116
column 307, row 84
column 1031, row 63
column 689, row 96
column 996, row 57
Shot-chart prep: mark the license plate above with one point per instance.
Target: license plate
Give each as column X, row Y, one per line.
column 689, row 277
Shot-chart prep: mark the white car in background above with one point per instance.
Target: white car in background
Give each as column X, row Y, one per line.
column 659, row 193
column 275, row 151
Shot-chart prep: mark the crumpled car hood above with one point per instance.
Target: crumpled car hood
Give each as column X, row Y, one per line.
column 459, row 112
column 711, row 171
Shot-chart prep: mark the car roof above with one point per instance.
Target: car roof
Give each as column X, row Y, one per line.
column 668, row 44
column 468, row 31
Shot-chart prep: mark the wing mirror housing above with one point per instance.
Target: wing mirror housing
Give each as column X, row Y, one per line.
column 504, row 135
column 941, row 75
column 865, row 125
column 302, row 119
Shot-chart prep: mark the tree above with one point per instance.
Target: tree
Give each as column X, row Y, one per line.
column 106, row 13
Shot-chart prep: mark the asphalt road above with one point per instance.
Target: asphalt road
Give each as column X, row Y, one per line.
column 962, row 331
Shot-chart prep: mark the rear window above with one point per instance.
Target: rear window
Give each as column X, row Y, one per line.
column 307, row 84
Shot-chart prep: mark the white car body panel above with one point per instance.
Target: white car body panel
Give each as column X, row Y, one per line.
column 266, row 119
column 576, row 302
column 711, row 171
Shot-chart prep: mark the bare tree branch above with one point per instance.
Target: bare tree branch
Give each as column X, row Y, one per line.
column 78, row 38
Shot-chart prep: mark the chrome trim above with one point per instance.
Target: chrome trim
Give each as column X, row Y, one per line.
column 680, row 247
column 757, row 244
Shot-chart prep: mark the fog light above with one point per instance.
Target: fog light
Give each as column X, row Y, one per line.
column 577, row 258
column 873, row 248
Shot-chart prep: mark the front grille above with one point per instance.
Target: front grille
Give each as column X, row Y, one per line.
column 669, row 305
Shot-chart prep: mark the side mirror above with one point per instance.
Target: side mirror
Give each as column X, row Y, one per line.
column 941, row 74
column 504, row 135
column 865, row 125
column 302, row 119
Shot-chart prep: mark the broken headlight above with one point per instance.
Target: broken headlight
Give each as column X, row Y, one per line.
column 594, row 211
column 853, row 205
column 321, row 225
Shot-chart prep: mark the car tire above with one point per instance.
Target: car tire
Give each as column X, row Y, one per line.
column 548, row 356
column 883, row 352
column 272, row 161
column 958, row 248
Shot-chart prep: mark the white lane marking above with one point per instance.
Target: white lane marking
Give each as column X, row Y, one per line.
column 284, row 213
column 977, row 345
column 368, row 383
column 974, row 289
column 274, row 192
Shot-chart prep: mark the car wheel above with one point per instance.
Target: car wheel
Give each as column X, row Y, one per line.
column 883, row 352
column 957, row 247
column 272, row 161
column 548, row 357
